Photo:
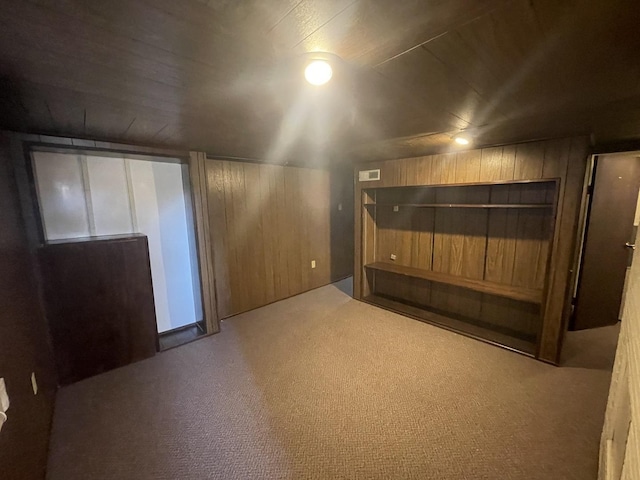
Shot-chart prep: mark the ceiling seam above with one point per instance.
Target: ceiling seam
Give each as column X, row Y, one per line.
column 454, row 27
column 285, row 16
column 401, row 84
column 130, row 125
column 159, row 131
column 327, row 22
column 53, row 122
column 461, row 78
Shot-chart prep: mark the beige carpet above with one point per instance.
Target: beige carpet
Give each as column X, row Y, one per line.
column 323, row 386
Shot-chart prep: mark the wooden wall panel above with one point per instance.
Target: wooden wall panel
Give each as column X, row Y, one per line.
column 557, row 307
column 515, row 254
column 206, row 263
column 99, row 304
column 267, row 224
column 24, row 345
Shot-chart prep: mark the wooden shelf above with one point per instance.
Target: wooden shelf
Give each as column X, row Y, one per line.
column 510, row 342
column 522, row 294
column 462, row 205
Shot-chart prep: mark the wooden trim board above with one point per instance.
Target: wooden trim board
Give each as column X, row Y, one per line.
column 522, row 294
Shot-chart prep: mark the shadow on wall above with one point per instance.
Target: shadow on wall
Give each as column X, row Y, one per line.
column 342, row 222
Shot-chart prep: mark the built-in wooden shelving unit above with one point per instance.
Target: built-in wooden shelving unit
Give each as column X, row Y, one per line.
column 470, row 257
column 479, row 241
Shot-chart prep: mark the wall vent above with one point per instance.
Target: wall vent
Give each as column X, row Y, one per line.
column 368, row 175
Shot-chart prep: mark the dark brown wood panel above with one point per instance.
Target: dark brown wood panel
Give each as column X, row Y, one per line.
column 610, row 228
column 99, row 303
column 559, row 292
column 24, row 344
column 268, row 223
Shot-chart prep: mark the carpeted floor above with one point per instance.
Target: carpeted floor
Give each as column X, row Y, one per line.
column 323, row 386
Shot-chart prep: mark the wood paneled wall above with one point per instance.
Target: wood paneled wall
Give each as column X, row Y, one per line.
column 563, row 159
column 24, row 346
column 267, row 223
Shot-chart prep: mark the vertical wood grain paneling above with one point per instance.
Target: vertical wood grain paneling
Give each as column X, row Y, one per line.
column 558, row 301
column 267, row 224
column 199, row 191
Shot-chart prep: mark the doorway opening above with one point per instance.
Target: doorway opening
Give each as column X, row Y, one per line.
column 84, row 194
column 608, row 231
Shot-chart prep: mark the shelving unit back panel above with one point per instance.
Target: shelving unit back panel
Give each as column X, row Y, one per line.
column 508, row 246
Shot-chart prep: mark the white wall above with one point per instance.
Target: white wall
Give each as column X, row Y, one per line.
column 109, row 195
column 93, row 195
column 61, row 186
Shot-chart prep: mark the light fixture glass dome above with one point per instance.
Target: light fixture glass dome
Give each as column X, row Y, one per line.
column 460, row 140
column 318, row 72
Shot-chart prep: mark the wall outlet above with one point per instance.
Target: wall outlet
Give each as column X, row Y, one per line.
column 393, row 256
column 313, row 264
column 396, row 208
column 339, row 207
column 34, row 383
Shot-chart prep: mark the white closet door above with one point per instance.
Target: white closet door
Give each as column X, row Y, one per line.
column 148, row 221
column 174, row 242
column 61, row 193
column 109, row 195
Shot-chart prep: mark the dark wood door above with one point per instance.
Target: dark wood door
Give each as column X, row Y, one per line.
column 609, row 228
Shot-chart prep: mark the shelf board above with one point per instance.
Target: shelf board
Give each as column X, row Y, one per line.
column 484, row 334
column 522, row 294
column 462, row 205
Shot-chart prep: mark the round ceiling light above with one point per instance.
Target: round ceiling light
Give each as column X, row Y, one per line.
column 461, row 140
column 318, row 72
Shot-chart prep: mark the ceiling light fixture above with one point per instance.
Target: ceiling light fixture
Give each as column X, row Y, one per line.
column 318, row 72
column 461, row 140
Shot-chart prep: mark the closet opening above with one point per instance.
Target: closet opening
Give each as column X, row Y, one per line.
column 97, row 194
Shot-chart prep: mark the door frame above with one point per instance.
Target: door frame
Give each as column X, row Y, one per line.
column 583, row 224
column 23, row 144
